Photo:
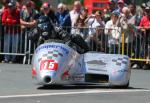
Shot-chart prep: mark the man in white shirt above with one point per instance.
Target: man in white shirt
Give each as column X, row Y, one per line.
column 96, row 26
column 74, row 14
column 113, row 32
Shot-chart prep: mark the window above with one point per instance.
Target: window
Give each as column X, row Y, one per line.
column 99, row 5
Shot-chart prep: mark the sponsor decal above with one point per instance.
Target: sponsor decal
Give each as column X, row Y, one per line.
column 48, row 65
column 120, row 61
column 51, row 55
column 97, row 62
column 123, row 70
column 52, row 46
column 33, row 72
column 126, row 58
column 65, row 75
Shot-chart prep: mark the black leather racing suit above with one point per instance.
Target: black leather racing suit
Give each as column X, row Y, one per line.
column 48, row 30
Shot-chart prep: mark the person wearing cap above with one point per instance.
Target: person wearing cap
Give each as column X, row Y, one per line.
column 112, row 5
column 107, row 12
column 47, row 9
column 120, row 5
column 145, row 28
column 145, row 21
column 143, row 12
column 63, row 17
column 10, row 20
column 113, row 31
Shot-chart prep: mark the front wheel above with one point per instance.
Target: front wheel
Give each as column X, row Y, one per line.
column 125, row 86
column 122, row 86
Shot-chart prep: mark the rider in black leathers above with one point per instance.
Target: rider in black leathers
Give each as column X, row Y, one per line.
column 47, row 29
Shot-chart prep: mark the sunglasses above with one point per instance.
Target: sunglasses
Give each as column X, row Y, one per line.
column 46, row 8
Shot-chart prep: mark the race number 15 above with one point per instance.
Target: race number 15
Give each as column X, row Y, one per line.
column 48, row 65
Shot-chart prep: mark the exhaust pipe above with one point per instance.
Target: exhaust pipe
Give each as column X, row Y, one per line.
column 47, row 79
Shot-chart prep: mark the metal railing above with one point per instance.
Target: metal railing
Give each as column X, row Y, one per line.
column 98, row 39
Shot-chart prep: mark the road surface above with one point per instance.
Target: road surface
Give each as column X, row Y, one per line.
column 17, row 86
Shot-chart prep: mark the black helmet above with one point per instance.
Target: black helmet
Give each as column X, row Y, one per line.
column 45, row 26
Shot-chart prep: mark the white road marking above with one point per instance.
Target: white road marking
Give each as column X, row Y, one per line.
column 71, row 93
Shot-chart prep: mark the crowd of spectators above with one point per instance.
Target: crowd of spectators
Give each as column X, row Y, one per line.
column 117, row 19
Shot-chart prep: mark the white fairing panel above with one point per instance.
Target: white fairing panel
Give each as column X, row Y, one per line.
column 117, row 67
column 56, row 58
column 57, row 63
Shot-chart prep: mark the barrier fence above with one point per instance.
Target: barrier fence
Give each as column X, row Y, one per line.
column 14, row 42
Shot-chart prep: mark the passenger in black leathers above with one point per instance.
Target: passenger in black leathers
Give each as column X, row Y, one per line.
column 47, row 29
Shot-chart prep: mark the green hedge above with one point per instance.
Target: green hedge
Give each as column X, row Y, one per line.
column 67, row 1
column 70, row 1
column 0, row 5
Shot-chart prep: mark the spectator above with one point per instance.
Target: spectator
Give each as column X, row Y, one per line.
column 106, row 15
column 96, row 26
column 135, row 17
column 27, row 16
column 120, row 5
column 113, row 32
column 145, row 27
column 80, row 23
column 127, row 28
column 10, row 19
column 74, row 14
column 143, row 12
column 4, row 6
column 57, row 33
column 19, row 4
column 135, row 20
column 63, row 17
column 145, row 22
column 38, row 4
column 112, row 5
column 107, row 12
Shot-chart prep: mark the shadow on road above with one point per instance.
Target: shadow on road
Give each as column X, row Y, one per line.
column 74, row 87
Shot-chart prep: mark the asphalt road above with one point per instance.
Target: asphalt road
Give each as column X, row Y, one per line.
column 17, row 86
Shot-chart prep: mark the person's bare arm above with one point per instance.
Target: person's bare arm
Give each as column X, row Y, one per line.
column 28, row 24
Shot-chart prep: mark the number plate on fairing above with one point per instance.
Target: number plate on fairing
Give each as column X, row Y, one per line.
column 48, row 65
